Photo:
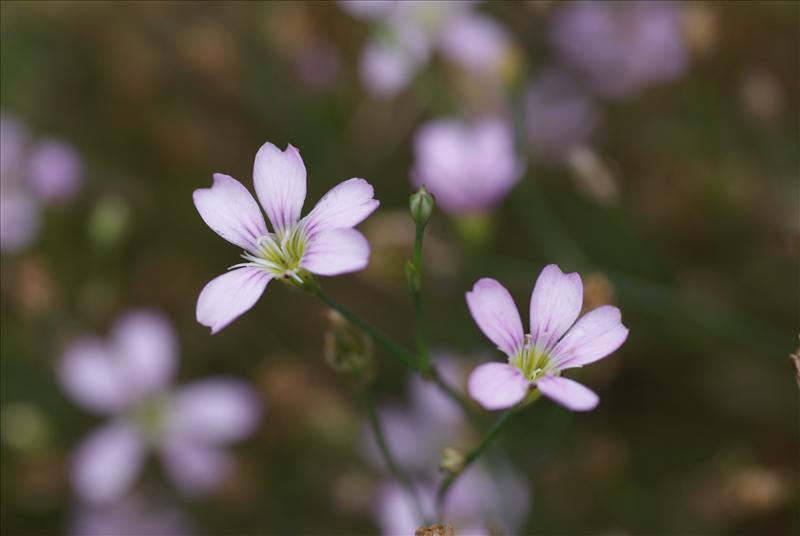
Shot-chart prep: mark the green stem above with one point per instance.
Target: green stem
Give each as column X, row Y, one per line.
column 471, row 456
column 415, row 282
column 388, row 457
column 408, row 358
column 395, row 349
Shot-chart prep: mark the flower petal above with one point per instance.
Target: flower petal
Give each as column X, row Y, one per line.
column 194, row 467
column 555, row 305
column 104, row 465
column 345, row 205
column 214, row 411
column 476, row 42
column 230, row 210
column 280, row 180
column 226, row 297
column 90, row 377
column 336, row 251
column 497, row 386
column 494, row 311
column 570, row 394
column 598, row 333
column 145, row 344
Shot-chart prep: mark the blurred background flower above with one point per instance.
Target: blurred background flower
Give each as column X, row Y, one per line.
column 490, row 496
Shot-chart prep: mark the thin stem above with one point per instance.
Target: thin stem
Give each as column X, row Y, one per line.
column 398, row 351
column 415, row 281
column 408, row 358
column 471, row 456
column 388, row 458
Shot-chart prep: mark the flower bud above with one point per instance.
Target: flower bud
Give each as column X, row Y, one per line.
column 421, row 204
column 452, row 460
column 346, row 348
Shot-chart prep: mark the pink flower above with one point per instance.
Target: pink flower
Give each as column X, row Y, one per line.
column 556, row 341
column 621, row 48
column 128, row 379
column 469, row 167
column 408, row 33
column 32, row 175
column 145, row 514
column 323, row 242
column 491, row 493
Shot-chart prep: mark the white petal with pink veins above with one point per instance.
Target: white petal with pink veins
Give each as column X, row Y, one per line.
column 570, row 394
column 497, row 386
column 597, row 334
column 494, row 311
column 336, row 251
column 345, row 205
column 230, row 210
column 280, row 181
column 555, row 305
column 226, row 297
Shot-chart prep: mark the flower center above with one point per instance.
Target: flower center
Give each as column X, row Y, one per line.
column 532, row 361
column 149, row 415
column 280, row 253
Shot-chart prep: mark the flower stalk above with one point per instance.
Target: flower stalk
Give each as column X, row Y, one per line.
column 386, row 452
column 469, row 458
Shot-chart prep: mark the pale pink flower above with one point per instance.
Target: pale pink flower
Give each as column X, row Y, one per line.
column 489, row 493
column 324, row 242
column 556, row 341
column 621, row 48
column 468, row 166
column 55, row 170
column 409, row 32
column 128, row 379
column 32, row 175
column 145, row 514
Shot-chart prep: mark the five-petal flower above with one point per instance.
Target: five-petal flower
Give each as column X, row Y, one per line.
column 556, row 341
column 128, row 379
column 324, row 242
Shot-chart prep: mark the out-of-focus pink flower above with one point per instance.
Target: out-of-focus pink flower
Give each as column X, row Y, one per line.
column 135, row 514
column 469, row 167
column 128, row 379
column 621, row 47
column 13, row 140
column 559, row 117
column 479, row 502
column 20, row 220
column 556, row 341
column 416, row 435
column 31, row 175
column 55, row 170
column 324, row 242
column 408, row 32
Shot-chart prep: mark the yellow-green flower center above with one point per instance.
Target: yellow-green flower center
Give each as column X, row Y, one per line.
column 532, row 361
column 280, row 253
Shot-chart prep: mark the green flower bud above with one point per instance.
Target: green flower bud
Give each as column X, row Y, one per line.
column 421, row 204
column 452, row 460
column 346, row 348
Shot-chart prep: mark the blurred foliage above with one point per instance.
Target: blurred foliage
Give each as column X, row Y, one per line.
column 697, row 429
